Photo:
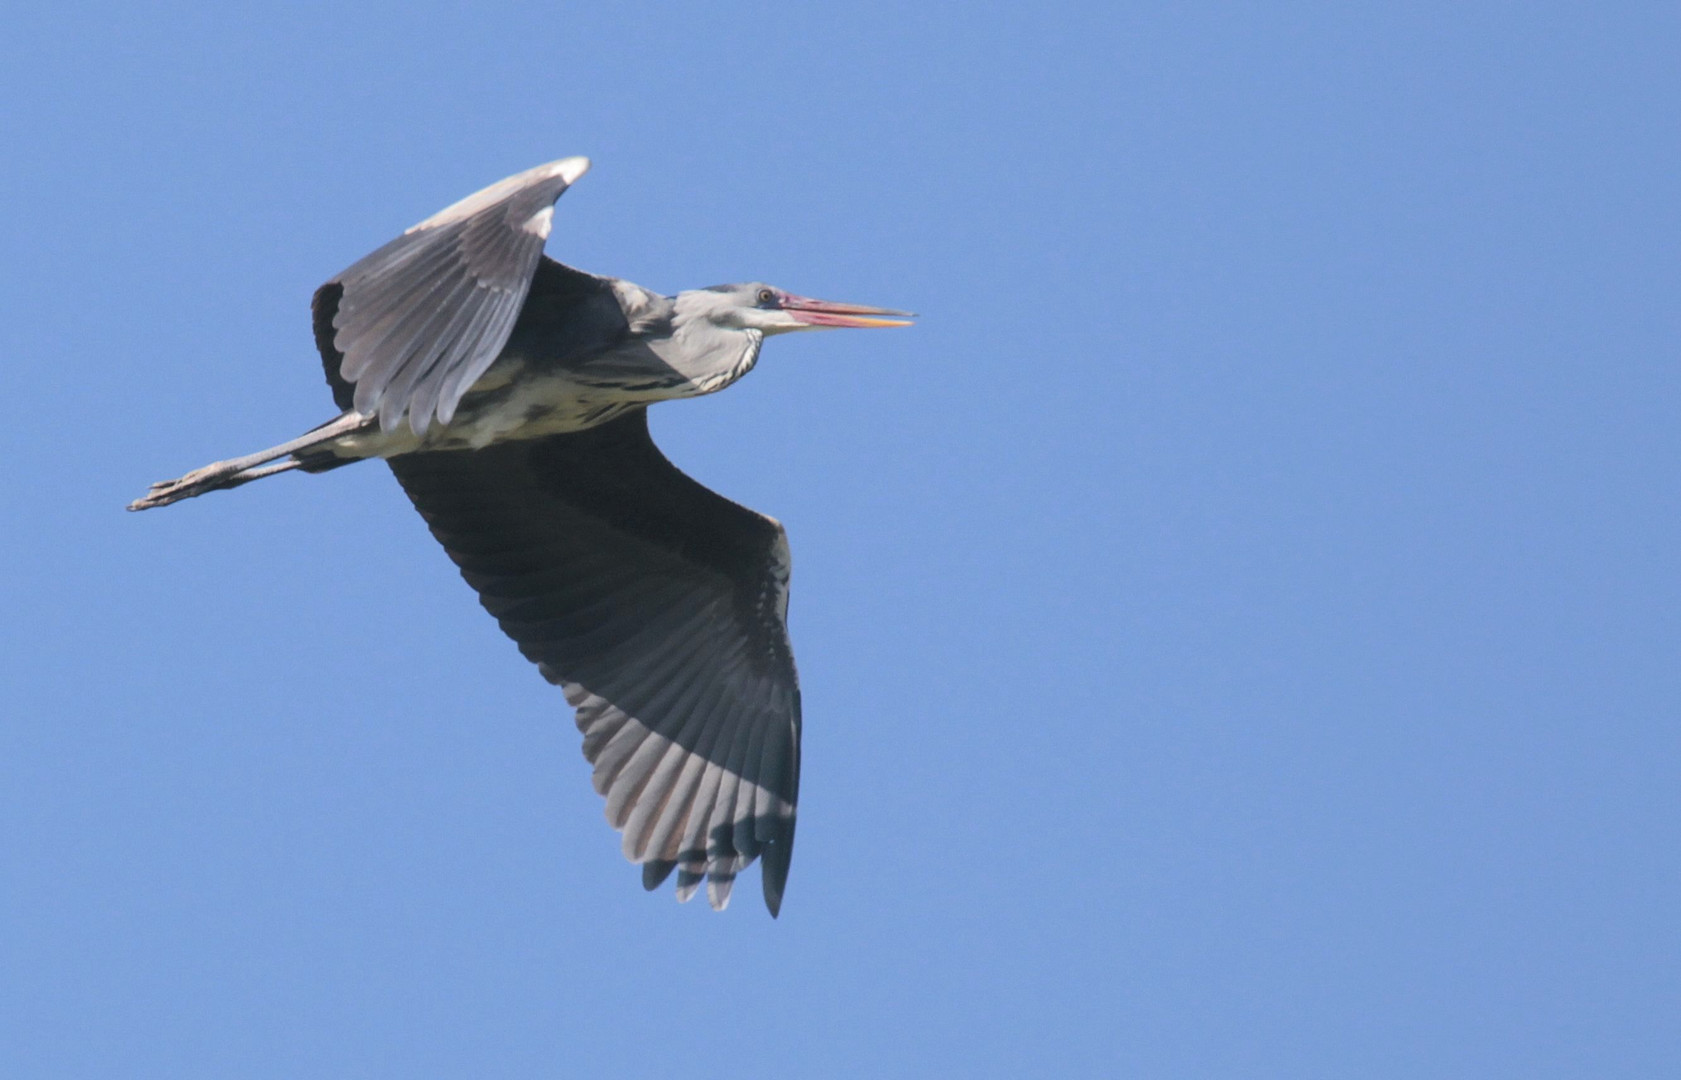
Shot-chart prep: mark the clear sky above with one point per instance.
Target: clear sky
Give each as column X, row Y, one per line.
column 1238, row 626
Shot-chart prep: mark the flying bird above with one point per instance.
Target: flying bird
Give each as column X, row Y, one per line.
column 509, row 395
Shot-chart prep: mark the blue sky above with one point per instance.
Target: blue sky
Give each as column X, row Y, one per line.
column 1238, row 625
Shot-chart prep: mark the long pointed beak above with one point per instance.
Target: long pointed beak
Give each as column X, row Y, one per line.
column 828, row 313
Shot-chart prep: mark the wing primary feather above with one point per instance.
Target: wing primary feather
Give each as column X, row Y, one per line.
column 766, row 808
column 746, row 839
column 462, row 379
column 655, row 798
column 655, row 871
column 389, row 353
column 431, row 392
column 691, row 846
column 626, row 782
column 688, row 879
column 359, row 339
column 721, row 851
column 622, row 779
column 413, row 358
column 691, row 747
column 628, row 786
column 426, row 367
column 718, row 886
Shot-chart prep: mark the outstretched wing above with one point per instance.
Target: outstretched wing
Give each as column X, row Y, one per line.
column 419, row 320
column 661, row 609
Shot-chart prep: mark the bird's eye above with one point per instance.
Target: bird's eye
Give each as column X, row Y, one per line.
column 766, row 296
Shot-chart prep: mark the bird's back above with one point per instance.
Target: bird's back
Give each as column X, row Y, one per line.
column 570, row 316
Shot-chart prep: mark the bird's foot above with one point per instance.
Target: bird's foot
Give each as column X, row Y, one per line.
column 194, row 483
column 163, row 493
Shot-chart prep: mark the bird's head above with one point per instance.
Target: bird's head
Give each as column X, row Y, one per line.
column 769, row 310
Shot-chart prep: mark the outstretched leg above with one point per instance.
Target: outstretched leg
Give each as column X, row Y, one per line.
column 243, row 470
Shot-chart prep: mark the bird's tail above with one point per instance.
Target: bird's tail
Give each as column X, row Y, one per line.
column 220, row 475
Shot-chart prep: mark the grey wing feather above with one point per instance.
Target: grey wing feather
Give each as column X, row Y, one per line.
column 419, row 320
column 660, row 608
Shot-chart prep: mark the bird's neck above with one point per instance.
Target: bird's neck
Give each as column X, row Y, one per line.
column 710, row 355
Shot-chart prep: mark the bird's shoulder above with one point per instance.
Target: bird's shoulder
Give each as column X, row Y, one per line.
column 571, row 313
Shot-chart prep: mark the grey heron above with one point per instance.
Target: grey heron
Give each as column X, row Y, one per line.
column 509, row 395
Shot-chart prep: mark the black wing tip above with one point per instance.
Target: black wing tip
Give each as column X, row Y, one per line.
column 655, row 871
column 773, row 875
column 773, row 871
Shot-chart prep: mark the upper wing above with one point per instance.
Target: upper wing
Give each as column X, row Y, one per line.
column 661, row 609
column 419, row 320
